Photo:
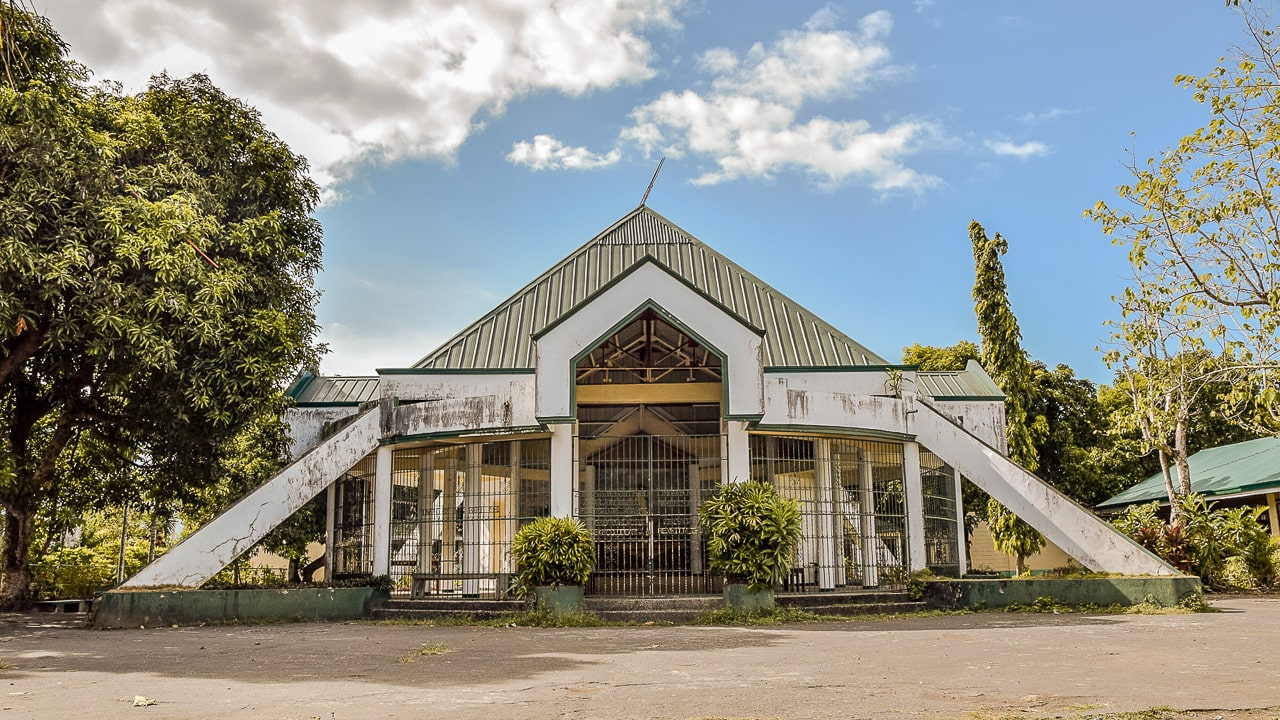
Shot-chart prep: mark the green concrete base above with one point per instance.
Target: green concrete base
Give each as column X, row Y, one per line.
column 560, row 599
column 1001, row 592
column 741, row 598
column 149, row 608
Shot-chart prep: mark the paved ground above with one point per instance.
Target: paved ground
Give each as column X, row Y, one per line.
column 946, row 667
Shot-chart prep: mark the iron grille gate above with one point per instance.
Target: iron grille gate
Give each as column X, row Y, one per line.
column 639, row 497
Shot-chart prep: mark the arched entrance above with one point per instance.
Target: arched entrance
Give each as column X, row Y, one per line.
column 649, row 451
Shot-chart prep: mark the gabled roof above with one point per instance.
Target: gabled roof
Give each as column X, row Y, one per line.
column 503, row 339
column 971, row 383
column 310, row 389
column 1245, row 468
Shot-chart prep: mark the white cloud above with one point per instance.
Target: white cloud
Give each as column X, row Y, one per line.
column 548, row 153
column 1051, row 113
column 1022, row 151
column 343, row 81
column 749, row 124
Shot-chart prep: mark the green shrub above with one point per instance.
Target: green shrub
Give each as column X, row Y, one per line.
column 553, row 551
column 752, row 533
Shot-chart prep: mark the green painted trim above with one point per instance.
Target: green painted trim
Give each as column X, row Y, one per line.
column 456, row 371
column 967, row 398
column 488, row 432
column 826, row 430
column 837, row 368
column 300, row 385
column 627, row 273
column 558, row 420
column 744, row 418
column 671, row 319
column 332, row 403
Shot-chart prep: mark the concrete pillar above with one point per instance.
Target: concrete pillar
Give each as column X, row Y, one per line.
column 914, row 497
column 962, row 550
column 1271, row 514
column 867, row 523
column 737, row 467
column 473, row 517
column 382, row 511
column 426, row 508
column 511, row 523
column 330, row 520
column 695, row 525
column 562, row 469
column 826, row 515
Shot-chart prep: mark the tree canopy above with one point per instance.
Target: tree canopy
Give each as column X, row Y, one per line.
column 157, row 262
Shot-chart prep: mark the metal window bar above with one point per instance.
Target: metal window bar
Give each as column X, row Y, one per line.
column 456, row 510
column 353, row 520
column 941, row 529
column 852, row 508
column 639, row 497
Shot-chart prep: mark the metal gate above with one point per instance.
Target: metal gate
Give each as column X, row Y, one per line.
column 639, row 497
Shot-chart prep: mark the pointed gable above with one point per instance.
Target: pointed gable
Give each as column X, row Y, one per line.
column 503, row 338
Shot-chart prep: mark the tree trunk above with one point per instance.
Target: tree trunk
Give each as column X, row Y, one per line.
column 293, row 574
column 309, row 571
column 15, row 587
column 1020, row 563
column 1175, row 500
column 1180, row 455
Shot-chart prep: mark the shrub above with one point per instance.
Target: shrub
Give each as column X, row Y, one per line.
column 752, row 533
column 553, row 551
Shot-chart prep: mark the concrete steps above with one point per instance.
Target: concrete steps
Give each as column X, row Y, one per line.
column 674, row 609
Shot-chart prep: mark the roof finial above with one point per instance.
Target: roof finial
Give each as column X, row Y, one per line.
column 652, row 180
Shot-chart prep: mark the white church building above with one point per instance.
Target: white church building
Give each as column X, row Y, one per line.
column 621, row 387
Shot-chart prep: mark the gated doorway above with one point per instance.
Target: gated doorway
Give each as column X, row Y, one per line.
column 638, row 494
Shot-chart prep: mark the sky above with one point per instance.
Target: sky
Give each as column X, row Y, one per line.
column 837, row 150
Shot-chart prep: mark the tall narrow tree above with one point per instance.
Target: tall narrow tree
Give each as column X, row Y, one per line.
column 1007, row 363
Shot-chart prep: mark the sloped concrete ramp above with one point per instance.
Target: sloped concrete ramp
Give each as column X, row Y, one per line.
column 1094, row 543
column 206, row 551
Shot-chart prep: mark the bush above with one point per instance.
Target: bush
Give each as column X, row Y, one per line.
column 1226, row 547
column 553, row 551
column 752, row 533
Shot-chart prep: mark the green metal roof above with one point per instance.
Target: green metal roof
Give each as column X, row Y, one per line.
column 503, row 339
column 971, row 383
column 1247, row 468
column 310, row 389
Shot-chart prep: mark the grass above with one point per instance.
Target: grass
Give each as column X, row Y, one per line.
column 1191, row 604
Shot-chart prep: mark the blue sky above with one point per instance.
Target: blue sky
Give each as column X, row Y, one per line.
column 836, row 150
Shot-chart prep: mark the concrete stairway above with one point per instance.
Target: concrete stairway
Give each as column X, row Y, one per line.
column 674, row 609
column 871, row 602
column 438, row 608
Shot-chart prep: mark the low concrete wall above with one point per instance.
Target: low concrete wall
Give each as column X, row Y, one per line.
column 133, row 608
column 1002, row 592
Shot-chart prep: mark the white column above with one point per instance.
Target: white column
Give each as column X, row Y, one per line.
column 826, row 516
column 330, row 519
column 511, row 524
column 382, row 511
column 472, row 518
column 562, row 470
column 737, row 467
column 695, row 525
column 867, row 522
column 426, row 508
column 962, row 552
column 914, row 492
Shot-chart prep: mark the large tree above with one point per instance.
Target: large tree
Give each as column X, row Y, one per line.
column 157, row 257
column 1007, row 363
column 1200, row 221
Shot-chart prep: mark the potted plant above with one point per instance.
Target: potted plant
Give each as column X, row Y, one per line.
column 553, row 558
column 752, row 533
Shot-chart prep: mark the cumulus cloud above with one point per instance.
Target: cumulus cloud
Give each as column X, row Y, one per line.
column 1022, row 151
column 547, row 153
column 343, row 81
column 750, row 125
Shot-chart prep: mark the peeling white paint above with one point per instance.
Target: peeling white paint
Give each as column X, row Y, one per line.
column 206, row 551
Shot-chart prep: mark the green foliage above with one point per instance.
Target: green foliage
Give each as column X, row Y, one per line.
column 931, row 358
column 157, row 256
column 1226, row 547
column 752, row 533
column 553, row 551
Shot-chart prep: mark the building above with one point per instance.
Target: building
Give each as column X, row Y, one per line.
column 622, row 386
column 1244, row 473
